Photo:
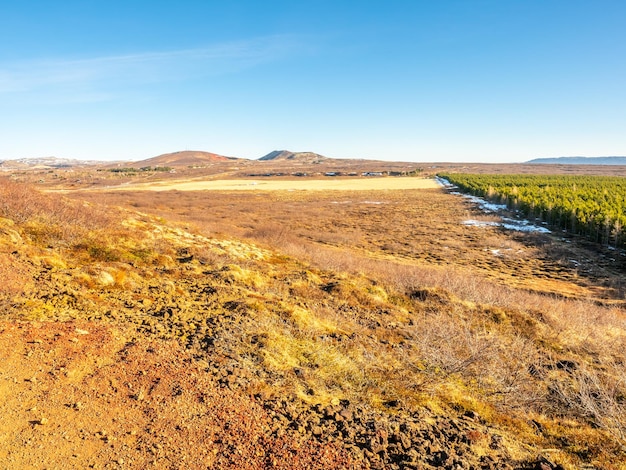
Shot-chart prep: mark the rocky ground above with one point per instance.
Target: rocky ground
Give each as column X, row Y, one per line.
column 85, row 395
column 145, row 381
column 79, row 395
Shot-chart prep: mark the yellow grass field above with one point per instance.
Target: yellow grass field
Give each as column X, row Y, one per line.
column 327, row 184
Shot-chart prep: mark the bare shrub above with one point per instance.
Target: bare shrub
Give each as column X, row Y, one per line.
column 274, row 234
column 20, row 202
column 50, row 218
column 597, row 396
column 451, row 345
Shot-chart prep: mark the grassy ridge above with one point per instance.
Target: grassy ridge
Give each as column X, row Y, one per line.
column 593, row 206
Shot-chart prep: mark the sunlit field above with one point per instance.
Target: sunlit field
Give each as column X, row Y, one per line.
column 373, row 298
column 303, row 184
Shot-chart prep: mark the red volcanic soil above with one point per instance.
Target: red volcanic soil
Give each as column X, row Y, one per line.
column 87, row 395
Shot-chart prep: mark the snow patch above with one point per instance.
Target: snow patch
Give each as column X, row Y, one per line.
column 444, row 182
column 518, row 225
column 480, row 223
column 522, row 225
column 485, row 206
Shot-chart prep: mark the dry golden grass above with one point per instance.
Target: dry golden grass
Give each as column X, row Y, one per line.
column 326, row 184
column 375, row 297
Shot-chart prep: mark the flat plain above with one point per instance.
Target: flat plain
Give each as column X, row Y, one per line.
column 308, row 184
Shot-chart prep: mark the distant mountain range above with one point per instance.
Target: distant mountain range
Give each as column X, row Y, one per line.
column 43, row 162
column 580, row 161
column 183, row 158
column 189, row 158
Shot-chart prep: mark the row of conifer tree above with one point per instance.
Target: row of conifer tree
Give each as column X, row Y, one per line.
column 591, row 206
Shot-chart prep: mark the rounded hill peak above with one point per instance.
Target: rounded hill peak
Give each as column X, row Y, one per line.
column 184, row 158
column 288, row 155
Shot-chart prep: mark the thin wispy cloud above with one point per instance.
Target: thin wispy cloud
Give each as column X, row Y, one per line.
column 107, row 72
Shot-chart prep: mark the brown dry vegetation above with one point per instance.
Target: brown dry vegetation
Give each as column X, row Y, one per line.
column 373, row 324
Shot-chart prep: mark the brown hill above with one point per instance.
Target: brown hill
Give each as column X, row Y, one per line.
column 184, row 158
column 298, row 156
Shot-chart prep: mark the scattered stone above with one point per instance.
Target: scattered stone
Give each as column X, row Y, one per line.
column 106, row 279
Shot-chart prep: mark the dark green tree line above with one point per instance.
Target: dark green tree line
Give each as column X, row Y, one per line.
column 592, row 206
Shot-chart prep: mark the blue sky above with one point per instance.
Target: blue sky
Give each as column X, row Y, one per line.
column 421, row 80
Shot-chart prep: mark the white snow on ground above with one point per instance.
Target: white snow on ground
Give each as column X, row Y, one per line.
column 480, row 223
column 444, row 182
column 519, row 225
column 522, row 225
column 484, row 205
